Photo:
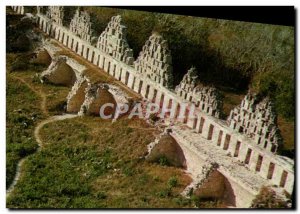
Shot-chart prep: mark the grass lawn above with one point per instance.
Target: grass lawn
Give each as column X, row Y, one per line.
column 22, row 115
column 93, row 163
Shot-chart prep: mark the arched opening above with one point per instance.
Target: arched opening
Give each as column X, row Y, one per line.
column 216, row 187
column 168, row 151
column 42, row 58
column 63, row 74
column 101, row 97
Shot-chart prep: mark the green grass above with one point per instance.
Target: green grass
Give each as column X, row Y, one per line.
column 21, row 117
column 93, row 163
column 24, row 112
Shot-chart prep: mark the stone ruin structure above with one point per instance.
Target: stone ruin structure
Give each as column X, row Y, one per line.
column 257, row 119
column 76, row 96
column 19, row 9
column 56, row 14
column 244, row 146
column 97, row 95
column 207, row 99
column 113, row 41
column 59, row 72
column 155, row 61
column 81, row 25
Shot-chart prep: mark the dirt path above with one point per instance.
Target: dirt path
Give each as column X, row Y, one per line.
column 36, row 131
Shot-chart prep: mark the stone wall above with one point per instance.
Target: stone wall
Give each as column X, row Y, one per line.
column 113, row 41
column 18, row 9
column 155, row 61
column 257, row 118
column 56, row 14
column 207, row 99
column 81, row 25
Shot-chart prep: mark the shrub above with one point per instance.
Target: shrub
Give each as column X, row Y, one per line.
column 267, row 199
column 172, row 182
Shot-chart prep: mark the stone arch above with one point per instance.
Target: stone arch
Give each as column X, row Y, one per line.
column 168, row 148
column 96, row 96
column 76, row 96
column 42, row 57
column 59, row 73
column 216, row 186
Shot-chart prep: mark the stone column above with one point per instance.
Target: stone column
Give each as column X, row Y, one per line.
column 151, row 93
column 191, row 116
column 253, row 160
column 96, row 57
column 136, row 84
column 289, row 185
column 243, row 151
column 79, row 51
column 65, row 40
column 277, row 175
column 101, row 61
column 182, row 112
column 60, row 39
column 90, row 53
column 106, row 65
column 265, row 167
column 130, row 80
column 232, row 145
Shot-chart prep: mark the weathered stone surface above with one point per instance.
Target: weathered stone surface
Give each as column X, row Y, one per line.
column 256, row 118
column 155, row 61
column 208, row 99
column 59, row 73
column 19, row 9
column 113, row 41
column 76, row 96
column 42, row 57
column 97, row 95
column 166, row 147
column 56, row 14
column 81, row 25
